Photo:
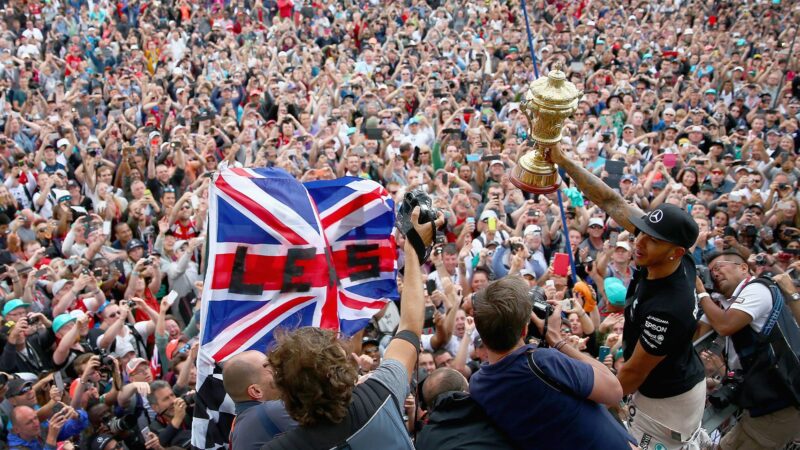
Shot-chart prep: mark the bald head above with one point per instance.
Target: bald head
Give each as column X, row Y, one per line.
column 245, row 378
column 24, row 422
column 443, row 380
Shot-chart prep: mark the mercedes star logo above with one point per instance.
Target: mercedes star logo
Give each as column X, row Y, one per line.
column 656, row 216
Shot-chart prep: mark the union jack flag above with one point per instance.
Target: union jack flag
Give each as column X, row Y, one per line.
column 284, row 255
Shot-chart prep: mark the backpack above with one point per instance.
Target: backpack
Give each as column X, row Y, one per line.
column 770, row 359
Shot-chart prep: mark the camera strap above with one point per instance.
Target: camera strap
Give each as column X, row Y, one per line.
column 419, row 247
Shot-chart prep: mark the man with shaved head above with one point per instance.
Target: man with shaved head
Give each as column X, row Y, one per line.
column 259, row 414
column 454, row 419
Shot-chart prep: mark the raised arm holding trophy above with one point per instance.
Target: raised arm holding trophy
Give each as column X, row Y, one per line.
column 662, row 369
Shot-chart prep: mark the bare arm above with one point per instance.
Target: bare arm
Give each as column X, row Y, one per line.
column 597, row 191
column 412, row 314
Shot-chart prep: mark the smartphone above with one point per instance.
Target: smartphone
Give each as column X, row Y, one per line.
column 171, row 297
column 445, row 179
column 107, row 228
column 550, row 283
column 146, row 433
column 430, row 286
column 490, row 157
column 469, row 110
column 492, row 224
column 567, row 304
column 470, row 220
column 560, row 264
column 613, row 238
column 58, row 380
column 440, row 239
column 472, row 157
column 603, row 352
column 420, row 178
column 57, row 408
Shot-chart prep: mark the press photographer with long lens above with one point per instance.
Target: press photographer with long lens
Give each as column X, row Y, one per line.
column 317, row 379
column 662, row 368
column 771, row 418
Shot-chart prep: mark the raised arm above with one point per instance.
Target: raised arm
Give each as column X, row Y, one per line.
column 412, row 311
column 597, row 191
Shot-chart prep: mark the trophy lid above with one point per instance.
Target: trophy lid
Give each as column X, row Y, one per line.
column 553, row 91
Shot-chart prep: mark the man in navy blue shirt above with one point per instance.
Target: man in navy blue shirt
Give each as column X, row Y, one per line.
column 260, row 415
column 559, row 407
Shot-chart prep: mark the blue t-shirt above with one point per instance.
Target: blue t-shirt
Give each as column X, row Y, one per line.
column 536, row 416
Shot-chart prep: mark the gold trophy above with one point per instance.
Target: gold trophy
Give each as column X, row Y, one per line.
column 548, row 101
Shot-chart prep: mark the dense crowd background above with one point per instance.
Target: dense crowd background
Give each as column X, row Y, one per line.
column 114, row 113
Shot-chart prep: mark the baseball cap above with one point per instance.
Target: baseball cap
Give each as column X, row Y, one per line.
column 12, row 305
column 623, row 244
column 596, row 221
column 100, row 442
column 668, row 223
column 487, row 213
column 61, row 320
column 532, row 229
column 694, row 129
column 58, row 285
column 669, row 111
column 62, row 142
column 17, row 387
column 628, row 127
column 526, row 272
column 629, row 177
column 179, row 244
column 134, row 363
column 615, row 291
column 133, row 244
column 369, row 340
column 477, row 342
column 496, row 161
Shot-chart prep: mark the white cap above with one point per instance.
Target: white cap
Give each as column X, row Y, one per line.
column 669, row 110
column 596, row 221
column 487, row 213
column 623, row 244
column 61, row 142
column 495, row 161
column 532, row 229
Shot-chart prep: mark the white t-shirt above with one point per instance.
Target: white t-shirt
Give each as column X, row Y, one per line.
column 126, row 341
column 754, row 299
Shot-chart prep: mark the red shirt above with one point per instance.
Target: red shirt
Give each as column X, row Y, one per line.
column 184, row 232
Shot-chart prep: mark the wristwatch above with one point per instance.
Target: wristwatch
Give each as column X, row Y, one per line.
column 795, row 297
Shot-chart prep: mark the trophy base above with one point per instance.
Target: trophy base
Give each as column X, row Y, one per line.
column 535, row 183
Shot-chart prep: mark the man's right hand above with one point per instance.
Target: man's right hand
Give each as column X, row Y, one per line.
column 425, row 231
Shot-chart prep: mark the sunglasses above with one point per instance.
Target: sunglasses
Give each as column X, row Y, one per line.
column 25, row 390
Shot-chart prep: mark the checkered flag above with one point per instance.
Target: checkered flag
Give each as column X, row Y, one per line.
column 213, row 412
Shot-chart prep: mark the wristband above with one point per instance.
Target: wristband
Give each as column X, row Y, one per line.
column 560, row 344
column 702, row 295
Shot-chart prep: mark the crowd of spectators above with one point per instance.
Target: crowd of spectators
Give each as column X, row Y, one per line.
column 115, row 114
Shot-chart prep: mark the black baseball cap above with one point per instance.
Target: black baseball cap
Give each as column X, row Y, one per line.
column 668, row 223
column 134, row 243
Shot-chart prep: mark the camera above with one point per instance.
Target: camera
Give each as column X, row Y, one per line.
column 541, row 308
column 119, row 424
column 427, row 213
column 92, row 152
column 761, row 259
column 588, row 263
column 189, row 398
column 515, row 247
column 32, row 319
column 728, row 392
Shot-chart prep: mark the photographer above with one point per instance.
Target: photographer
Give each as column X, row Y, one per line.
column 119, row 334
column 771, row 416
column 27, row 347
column 173, row 422
column 317, row 380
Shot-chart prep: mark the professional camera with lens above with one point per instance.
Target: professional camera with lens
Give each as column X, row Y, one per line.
column 427, row 213
column 541, row 308
column 106, row 363
column 117, row 425
column 728, row 392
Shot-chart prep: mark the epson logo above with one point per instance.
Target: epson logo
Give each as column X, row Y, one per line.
column 655, row 327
